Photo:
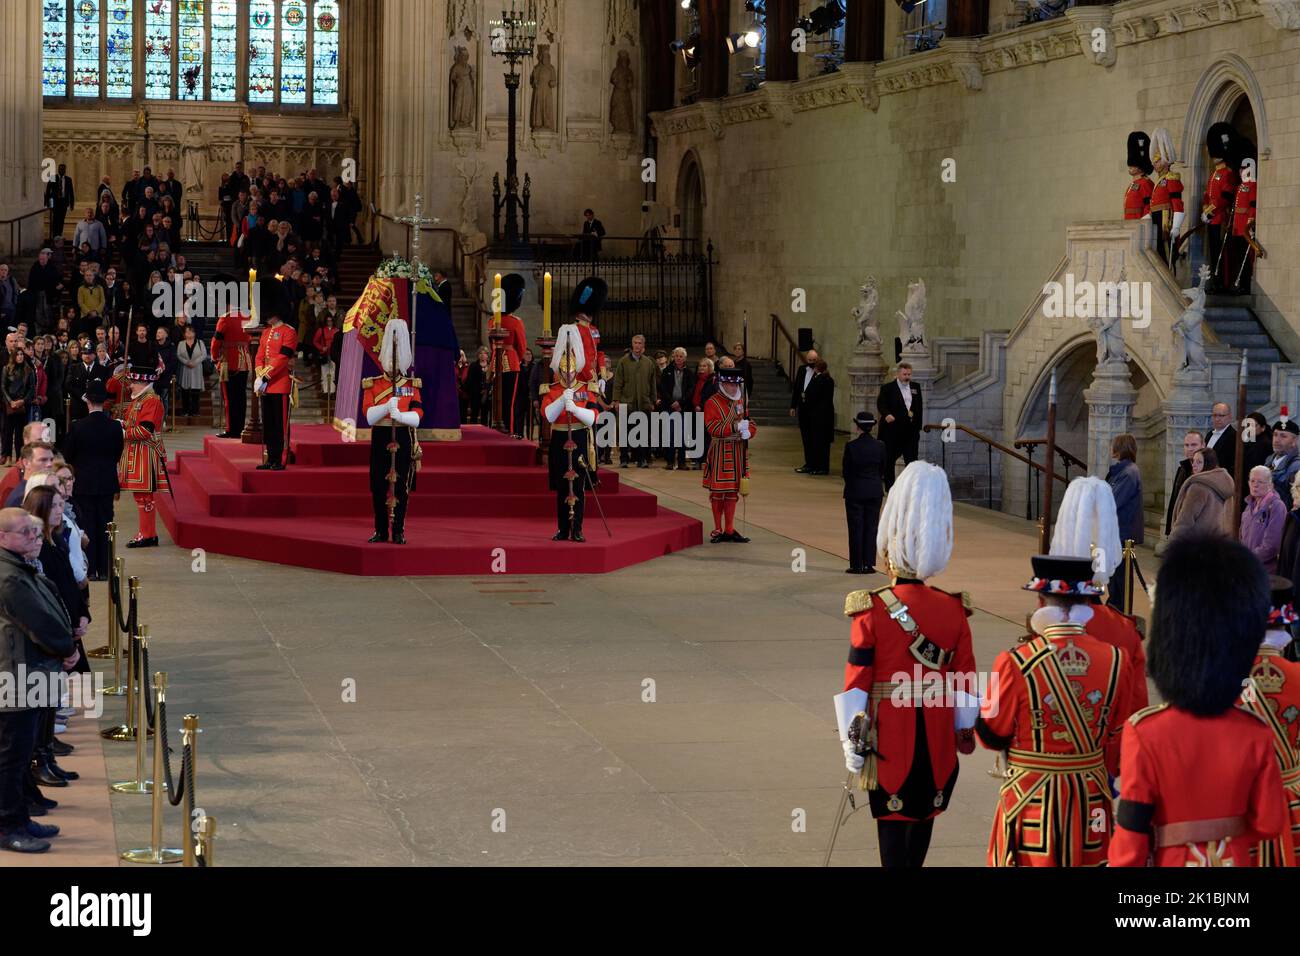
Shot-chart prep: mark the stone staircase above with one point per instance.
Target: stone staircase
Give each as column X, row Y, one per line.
column 769, row 404
column 1234, row 323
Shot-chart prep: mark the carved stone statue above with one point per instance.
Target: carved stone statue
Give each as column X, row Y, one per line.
column 1110, row 337
column 622, row 118
column 194, row 157
column 542, row 114
column 911, row 321
column 864, row 313
column 1188, row 335
column 469, row 172
column 462, row 91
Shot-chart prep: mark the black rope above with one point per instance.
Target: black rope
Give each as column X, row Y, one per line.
column 146, row 684
column 113, row 583
column 1138, row 569
column 175, row 794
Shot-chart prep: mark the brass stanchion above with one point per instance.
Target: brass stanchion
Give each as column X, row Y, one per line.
column 155, row 852
column 207, row 840
column 115, row 633
column 190, row 739
column 1129, row 558
column 126, row 731
column 108, row 650
column 139, row 784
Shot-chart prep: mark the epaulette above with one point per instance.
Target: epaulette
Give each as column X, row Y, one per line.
column 1146, row 712
column 857, row 602
column 963, row 596
column 367, row 382
column 1173, row 175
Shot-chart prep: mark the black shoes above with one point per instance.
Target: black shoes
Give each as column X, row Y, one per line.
column 577, row 536
column 560, row 536
column 46, row 777
column 276, row 467
column 377, row 538
column 265, row 466
column 20, row 841
column 856, row 571
column 46, row 759
column 803, row 470
column 42, row 831
column 60, row 748
column 737, row 537
column 143, row 542
column 399, row 538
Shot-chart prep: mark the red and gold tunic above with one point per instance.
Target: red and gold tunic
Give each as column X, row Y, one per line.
column 1219, row 194
column 1243, row 215
column 1196, row 791
column 728, row 458
column 1053, row 705
column 230, row 344
column 1119, row 630
column 141, row 467
column 1276, row 699
column 513, row 347
column 379, row 390
column 275, row 353
column 1167, row 193
column 909, row 665
column 1137, row 198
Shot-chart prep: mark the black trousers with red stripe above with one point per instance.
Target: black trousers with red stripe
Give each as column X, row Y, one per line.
column 275, row 428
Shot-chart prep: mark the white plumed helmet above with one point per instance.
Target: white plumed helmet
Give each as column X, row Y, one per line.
column 396, row 335
column 916, row 523
column 1087, row 524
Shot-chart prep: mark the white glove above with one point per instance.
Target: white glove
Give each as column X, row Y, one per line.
column 570, row 405
column 852, row 761
column 744, row 431
column 567, row 396
column 393, row 407
column 1206, row 217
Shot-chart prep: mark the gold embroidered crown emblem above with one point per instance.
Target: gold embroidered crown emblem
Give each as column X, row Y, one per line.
column 1268, row 677
column 1073, row 660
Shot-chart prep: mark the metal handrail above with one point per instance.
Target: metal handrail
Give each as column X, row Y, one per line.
column 1035, row 469
column 13, row 224
column 1069, row 460
column 792, row 347
column 994, row 443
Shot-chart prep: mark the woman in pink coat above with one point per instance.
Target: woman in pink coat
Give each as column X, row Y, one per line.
column 1263, row 519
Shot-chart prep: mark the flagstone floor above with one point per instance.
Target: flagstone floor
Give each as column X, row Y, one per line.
column 677, row 712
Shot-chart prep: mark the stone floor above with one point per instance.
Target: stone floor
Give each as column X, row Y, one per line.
column 677, row 712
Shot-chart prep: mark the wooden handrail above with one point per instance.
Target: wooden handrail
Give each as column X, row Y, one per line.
column 1066, row 457
column 994, row 443
column 793, row 346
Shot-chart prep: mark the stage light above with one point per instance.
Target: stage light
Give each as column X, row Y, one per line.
column 907, row 6
column 824, row 19
column 751, row 38
column 687, row 49
column 735, row 43
column 687, row 4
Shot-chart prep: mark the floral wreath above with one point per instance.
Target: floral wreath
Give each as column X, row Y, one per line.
column 395, row 267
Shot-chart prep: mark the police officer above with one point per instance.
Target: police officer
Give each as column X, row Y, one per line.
column 864, row 486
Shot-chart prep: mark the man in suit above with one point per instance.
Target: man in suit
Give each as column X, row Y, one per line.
column 1192, row 443
column 592, row 231
column 93, row 446
column 900, row 411
column 1222, row 436
column 59, row 197
column 442, row 286
column 798, row 388
column 864, row 476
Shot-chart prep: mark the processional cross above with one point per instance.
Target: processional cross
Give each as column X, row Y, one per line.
column 419, row 223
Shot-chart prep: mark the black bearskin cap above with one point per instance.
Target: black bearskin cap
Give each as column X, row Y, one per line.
column 1207, row 622
column 512, row 290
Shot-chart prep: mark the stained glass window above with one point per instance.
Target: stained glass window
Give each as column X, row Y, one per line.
column 261, row 51
column 158, row 49
column 225, row 54
column 293, row 51
column 192, row 50
column 189, row 47
column 325, row 54
column 85, row 48
column 54, row 48
column 118, row 48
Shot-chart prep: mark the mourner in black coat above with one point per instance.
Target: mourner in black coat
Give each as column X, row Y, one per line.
column 901, row 418
column 93, row 446
column 864, row 486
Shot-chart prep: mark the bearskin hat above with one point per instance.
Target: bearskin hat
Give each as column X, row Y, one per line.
column 589, row 297
column 512, row 288
column 1208, row 618
column 1139, row 152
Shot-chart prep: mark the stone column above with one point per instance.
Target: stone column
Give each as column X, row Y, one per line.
column 1110, row 412
column 1185, row 409
column 21, row 139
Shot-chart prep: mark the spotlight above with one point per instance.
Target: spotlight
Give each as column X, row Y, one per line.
column 907, row 6
column 742, row 42
column 751, row 38
column 687, row 4
column 687, row 49
column 824, row 19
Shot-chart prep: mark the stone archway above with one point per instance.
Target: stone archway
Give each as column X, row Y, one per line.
column 690, row 203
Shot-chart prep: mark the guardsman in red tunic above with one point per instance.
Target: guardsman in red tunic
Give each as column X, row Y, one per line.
column 392, row 405
column 274, row 369
column 1221, row 142
column 570, row 407
column 1167, row 210
column 1054, row 704
column 1274, row 695
column 230, row 350
column 1199, row 783
column 143, row 466
column 584, row 307
column 514, row 393
column 726, row 466
column 910, row 653
column 1087, row 524
column 1137, row 198
column 1240, row 251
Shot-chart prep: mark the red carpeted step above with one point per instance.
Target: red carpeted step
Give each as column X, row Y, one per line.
column 468, row 514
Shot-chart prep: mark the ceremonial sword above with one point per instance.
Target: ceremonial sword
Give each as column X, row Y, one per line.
column 586, row 469
column 858, row 737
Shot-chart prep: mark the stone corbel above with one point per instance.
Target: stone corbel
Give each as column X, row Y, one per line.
column 779, row 103
column 964, row 56
column 862, row 79
column 1281, row 14
column 1141, row 28
column 1096, row 37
